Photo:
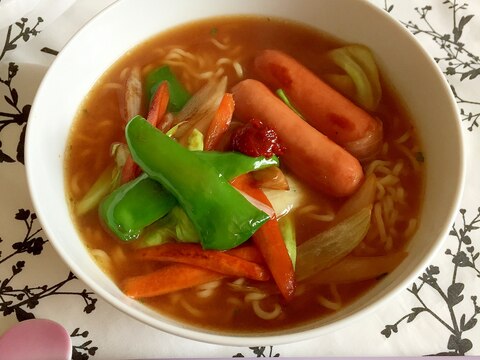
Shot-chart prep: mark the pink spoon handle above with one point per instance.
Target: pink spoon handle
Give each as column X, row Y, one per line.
column 36, row 339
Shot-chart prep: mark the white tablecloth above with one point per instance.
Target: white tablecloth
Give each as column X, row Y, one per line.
column 436, row 314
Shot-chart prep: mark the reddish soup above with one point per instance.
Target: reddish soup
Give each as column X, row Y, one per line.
column 387, row 185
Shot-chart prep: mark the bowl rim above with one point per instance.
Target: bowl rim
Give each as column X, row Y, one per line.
column 203, row 335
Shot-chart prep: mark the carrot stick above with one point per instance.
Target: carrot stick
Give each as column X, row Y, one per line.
column 220, row 123
column 247, row 252
column 159, row 105
column 193, row 254
column 156, row 114
column 270, row 242
column 177, row 277
column 167, row 279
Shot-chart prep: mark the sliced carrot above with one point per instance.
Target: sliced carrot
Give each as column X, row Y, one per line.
column 220, row 123
column 156, row 116
column 175, row 277
column 193, row 254
column 167, row 279
column 247, row 252
column 270, row 242
column 159, row 105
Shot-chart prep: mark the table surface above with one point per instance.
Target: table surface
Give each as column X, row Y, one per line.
column 438, row 316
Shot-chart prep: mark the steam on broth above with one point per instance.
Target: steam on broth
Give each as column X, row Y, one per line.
column 383, row 206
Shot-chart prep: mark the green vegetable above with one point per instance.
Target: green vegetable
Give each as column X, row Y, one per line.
column 287, row 227
column 281, row 94
column 342, row 83
column 195, row 141
column 173, row 130
column 135, row 205
column 178, row 94
column 222, row 216
column 140, row 202
column 100, row 188
column 233, row 164
column 358, row 62
column 108, row 180
column 175, row 225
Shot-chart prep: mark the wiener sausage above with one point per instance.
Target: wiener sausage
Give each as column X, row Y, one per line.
column 322, row 106
column 309, row 154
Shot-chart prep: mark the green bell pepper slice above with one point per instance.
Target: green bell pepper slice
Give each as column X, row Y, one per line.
column 233, row 164
column 178, row 94
column 142, row 201
column 223, row 218
column 135, row 205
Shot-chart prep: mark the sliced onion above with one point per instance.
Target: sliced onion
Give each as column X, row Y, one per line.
column 271, row 177
column 259, row 205
column 201, row 107
column 362, row 198
column 120, row 153
column 283, row 201
column 366, row 148
column 353, row 269
column 332, row 245
column 133, row 94
column 167, row 122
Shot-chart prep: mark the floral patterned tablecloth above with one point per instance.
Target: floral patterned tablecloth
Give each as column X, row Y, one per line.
column 436, row 314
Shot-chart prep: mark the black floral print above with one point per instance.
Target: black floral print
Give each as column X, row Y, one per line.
column 463, row 258
column 20, row 31
column 458, row 299
column 458, row 64
column 21, row 301
column 260, row 351
column 16, row 116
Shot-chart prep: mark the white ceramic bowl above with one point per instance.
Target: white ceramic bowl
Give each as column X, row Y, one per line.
column 108, row 36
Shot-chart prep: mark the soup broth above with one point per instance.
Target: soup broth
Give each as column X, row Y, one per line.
column 226, row 47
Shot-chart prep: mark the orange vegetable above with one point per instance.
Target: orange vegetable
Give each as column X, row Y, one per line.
column 247, row 252
column 156, row 114
column 193, row 254
column 270, row 242
column 177, row 277
column 167, row 279
column 199, row 111
column 159, row 105
column 220, row 123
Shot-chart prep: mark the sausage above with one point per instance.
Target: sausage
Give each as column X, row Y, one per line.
column 309, row 154
column 322, row 106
